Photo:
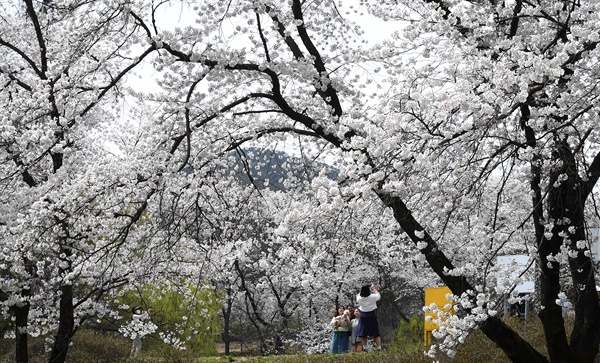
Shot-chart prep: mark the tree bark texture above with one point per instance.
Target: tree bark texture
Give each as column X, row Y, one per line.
column 21, row 314
column 65, row 326
column 566, row 211
column 226, row 324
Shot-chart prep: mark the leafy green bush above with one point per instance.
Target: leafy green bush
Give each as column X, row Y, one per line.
column 409, row 336
column 187, row 317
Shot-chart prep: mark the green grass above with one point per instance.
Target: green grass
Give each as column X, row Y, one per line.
column 407, row 347
column 327, row 358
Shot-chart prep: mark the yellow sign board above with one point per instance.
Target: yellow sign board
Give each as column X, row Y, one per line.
column 435, row 295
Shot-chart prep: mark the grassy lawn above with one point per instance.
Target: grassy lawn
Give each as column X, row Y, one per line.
column 91, row 347
column 477, row 349
column 314, row 358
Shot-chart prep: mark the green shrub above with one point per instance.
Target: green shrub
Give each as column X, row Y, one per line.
column 409, row 336
column 189, row 312
column 94, row 347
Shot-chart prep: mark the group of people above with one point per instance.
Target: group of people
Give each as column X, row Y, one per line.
column 353, row 326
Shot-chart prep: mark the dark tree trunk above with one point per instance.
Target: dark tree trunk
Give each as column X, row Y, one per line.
column 21, row 341
column 566, row 204
column 65, row 326
column 551, row 312
column 585, row 337
column 549, row 282
column 226, row 324
column 21, row 313
column 66, row 320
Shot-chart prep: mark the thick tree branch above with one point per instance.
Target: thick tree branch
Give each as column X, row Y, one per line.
column 40, row 38
column 112, row 84
column 262, row 38
column 28, row 60
column 329, row 95
column 188, row 128
column 291, row 43
column 514, row 23
column 248, row 294
column 262, row 133
column 516, row 348
column 177, row 140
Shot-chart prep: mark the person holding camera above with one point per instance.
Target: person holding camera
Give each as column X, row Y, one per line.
column 341, row 326
column 367, row 321
column 137, row 324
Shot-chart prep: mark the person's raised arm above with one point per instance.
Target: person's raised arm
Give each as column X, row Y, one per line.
column 373, row 289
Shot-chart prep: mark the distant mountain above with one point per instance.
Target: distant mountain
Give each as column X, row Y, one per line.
column 270, row 168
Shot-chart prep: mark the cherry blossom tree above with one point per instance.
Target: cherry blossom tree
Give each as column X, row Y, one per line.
column 283, row 257
column 447, row 124
column 67, row 206
column 529, row 107
column 483, row 99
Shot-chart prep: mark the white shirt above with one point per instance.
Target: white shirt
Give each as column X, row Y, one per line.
column 340, row 323
column 368, row 303
column 138, row 317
